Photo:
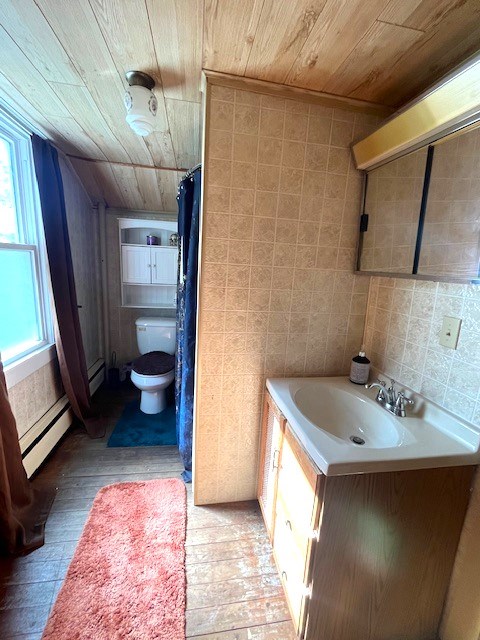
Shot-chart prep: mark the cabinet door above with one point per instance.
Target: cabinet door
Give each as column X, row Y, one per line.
column 272, row 435
column 164, row 265
column 136, row 265
column 296, row 519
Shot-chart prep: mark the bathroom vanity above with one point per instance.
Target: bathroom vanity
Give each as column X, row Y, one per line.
column 363, row 545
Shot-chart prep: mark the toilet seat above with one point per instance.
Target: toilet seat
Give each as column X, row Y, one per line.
column 154, row 363
column 153, row 399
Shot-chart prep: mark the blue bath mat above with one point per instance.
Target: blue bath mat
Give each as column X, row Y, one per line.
column 138, row 429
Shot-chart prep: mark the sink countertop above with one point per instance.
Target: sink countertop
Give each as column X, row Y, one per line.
column 434, row 437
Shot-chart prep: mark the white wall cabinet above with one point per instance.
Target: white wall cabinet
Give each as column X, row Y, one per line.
column 149, row 272
column 149, row 265
column 136, row 265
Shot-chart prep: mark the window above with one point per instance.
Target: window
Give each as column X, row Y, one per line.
column 25, row 323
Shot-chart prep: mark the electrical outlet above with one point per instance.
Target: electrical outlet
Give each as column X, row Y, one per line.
column 450, row 332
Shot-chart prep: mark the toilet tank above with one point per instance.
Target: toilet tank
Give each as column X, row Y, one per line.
column 156, row 334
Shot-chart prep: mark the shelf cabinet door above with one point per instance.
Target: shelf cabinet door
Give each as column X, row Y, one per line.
column 164, row 265
column 136, row 265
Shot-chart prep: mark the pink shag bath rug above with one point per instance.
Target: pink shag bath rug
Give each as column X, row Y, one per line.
column 126, row 580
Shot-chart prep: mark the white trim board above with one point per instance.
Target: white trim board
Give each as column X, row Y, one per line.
column 21, row 369
column 61, row 423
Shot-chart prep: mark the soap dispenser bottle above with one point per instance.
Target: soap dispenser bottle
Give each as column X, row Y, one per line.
column 360, row 368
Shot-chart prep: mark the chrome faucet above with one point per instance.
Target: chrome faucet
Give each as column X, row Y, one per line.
column 390, row 399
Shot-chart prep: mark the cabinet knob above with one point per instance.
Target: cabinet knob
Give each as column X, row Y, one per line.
column 288, row 524
column 284, row 575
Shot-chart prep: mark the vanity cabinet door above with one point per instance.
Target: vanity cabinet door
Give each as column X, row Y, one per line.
column 272, row 436
column 136, row 265
column 291, row 564
column 296, row 522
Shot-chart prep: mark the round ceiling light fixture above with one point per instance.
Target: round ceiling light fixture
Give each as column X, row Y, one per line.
column 140, row 102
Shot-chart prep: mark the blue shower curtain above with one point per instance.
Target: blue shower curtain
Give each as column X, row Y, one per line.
column 188, row 222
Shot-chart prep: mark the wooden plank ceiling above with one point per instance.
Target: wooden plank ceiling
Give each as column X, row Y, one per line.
column 64, row 63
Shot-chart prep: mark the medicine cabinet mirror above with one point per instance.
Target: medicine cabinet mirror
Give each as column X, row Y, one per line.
column 421, row 205
column 421, row 212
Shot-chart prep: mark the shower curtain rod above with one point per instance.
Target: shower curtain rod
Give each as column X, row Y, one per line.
column 127, row 164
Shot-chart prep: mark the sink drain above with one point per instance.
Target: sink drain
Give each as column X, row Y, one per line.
column 357, row 440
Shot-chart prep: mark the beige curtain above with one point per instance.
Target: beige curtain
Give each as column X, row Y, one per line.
column 23, row 510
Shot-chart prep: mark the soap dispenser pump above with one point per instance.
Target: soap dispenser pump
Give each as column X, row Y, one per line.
column 360, row 368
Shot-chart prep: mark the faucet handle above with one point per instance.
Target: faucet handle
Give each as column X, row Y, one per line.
column 400, row 403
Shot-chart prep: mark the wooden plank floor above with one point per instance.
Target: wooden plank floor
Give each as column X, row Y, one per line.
column 233, row 590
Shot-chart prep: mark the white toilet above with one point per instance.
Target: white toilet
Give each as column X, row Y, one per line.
column 154, row 370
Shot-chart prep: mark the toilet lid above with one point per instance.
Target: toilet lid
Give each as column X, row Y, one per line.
column 154, row 363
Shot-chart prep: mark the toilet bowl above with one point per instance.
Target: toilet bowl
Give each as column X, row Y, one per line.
column 154, row 370
column 153, row 398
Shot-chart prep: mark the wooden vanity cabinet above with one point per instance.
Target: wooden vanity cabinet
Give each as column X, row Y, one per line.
column 364, row 556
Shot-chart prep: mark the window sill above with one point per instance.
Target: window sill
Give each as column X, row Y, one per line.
column 18, row 371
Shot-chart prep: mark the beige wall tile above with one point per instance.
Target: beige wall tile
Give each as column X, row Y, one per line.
column 288, row 302
column 221, row 144
column 247, row 97
column 268, row 177
column 296, row 127
column 402, row 336
column 220, row 173
column 270, row 150
column 271, row 123
column 222, row 116
column 319, row 129
column 245, row 147
column 222, row 93
column 243, row 175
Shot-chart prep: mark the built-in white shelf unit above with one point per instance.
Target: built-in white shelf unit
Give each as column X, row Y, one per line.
column 148, row 272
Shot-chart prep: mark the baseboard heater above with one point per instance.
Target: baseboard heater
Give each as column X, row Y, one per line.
column 42, row 437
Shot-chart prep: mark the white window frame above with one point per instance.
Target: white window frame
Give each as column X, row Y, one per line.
column 31, row 239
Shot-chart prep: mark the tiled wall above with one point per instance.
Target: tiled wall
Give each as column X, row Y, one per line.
column 402, row 331
column 450, row 242
column 123, row 339
column 35, row 395
column 278, row 296
column 393, row 199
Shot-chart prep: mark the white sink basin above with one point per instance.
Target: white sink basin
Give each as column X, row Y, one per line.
column 349, row 417
column 325, row 413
